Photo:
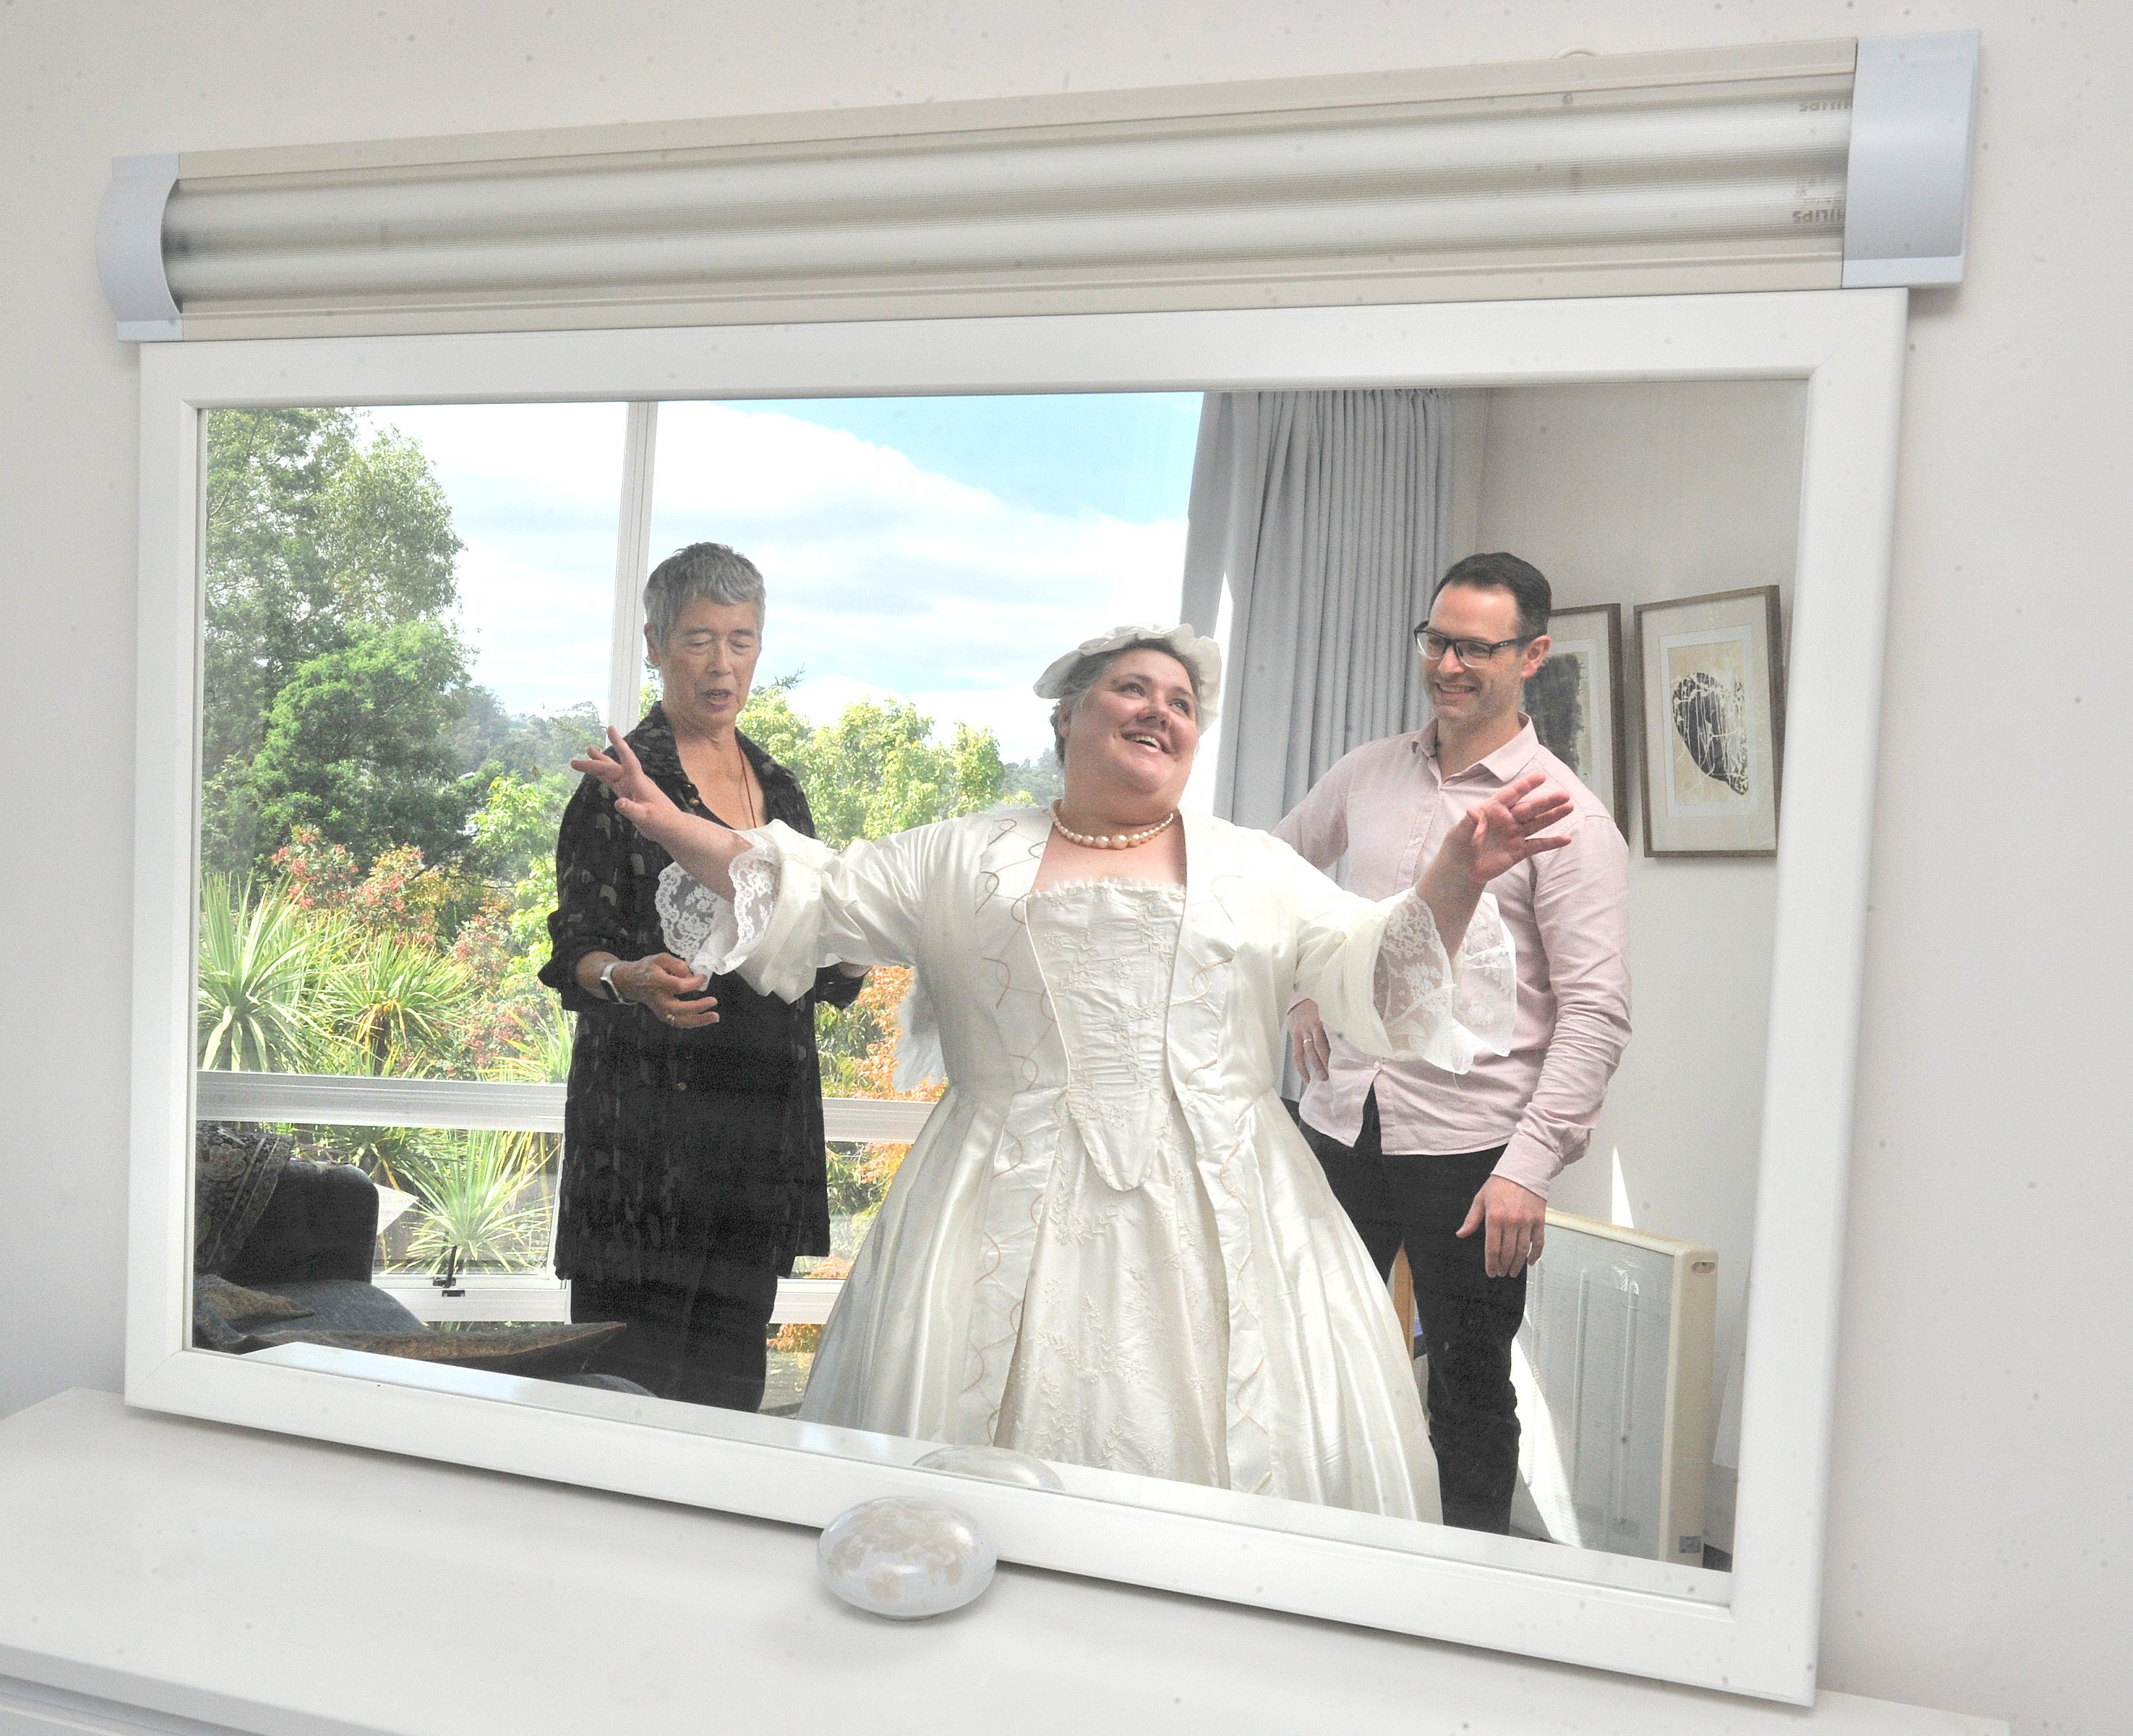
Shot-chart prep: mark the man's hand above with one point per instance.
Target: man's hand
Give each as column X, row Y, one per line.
column 1514, row 1220
column 1307, row 1042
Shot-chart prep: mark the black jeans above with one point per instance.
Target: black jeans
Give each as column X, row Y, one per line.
column 1468, row 1318
column 704, row 1344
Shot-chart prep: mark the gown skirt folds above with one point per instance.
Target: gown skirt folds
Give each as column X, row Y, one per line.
column 1110, row 1246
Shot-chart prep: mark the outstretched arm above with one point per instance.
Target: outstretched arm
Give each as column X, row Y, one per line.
column 705, row 849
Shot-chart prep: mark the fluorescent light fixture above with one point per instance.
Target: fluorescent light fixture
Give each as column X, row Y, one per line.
column 1787, row 166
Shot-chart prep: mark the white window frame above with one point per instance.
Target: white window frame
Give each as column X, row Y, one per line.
column 1753, row 1631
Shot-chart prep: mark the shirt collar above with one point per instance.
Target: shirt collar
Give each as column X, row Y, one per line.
column 1506, row 763
column 653, row 741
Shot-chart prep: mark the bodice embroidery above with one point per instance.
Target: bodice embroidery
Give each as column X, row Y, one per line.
column 1108, row 949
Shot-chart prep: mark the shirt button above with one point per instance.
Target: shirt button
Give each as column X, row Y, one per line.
column 681, row 1084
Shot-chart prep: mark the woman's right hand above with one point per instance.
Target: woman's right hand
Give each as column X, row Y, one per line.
column 1494, row 836
column 658, row 984
column 1308, row 1043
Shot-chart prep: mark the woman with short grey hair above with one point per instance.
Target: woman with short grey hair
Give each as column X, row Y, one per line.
column 693, row 1163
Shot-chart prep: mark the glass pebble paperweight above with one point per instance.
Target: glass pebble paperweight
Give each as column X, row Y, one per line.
column 905, row 1559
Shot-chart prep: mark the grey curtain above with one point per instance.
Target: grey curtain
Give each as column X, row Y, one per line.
column 1327, row 514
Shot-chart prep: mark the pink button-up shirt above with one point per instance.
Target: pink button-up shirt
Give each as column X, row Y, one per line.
column 1386, row 807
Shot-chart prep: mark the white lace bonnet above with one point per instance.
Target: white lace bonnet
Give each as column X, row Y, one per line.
column 1202, row 656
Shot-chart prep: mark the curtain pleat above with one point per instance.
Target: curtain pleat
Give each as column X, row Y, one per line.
column 1326, row 516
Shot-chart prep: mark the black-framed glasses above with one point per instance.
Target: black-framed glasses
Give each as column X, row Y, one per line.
column 1472, row 653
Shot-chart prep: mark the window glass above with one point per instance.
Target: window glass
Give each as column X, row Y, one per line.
column 409, row 612
column 923, row 560
column 407, row 620
column 406, row 637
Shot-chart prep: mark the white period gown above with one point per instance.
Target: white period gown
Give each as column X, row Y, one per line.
column 1124, row 1355
column 1110, row 1247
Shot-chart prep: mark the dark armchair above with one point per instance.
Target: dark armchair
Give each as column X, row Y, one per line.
column 283, row 1249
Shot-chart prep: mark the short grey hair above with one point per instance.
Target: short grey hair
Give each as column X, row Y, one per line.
column 703, row 572
column 1079, row 682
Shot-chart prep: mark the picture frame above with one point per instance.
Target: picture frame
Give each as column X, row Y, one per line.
column 1576, row 700
column 1711, row 748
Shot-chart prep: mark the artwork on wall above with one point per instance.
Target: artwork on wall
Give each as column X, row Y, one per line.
column 1575, row 700
column 1712, row 744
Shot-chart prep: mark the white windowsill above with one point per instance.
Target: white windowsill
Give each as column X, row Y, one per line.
column 497, row 1296
column 328, row 1100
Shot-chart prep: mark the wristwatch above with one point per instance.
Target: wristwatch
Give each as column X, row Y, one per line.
column 607, row 982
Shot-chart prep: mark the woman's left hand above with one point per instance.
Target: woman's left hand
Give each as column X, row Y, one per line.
column 1494, row 836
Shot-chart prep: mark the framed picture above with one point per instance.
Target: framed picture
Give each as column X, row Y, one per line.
column 1575, row 700
column 1712, row 744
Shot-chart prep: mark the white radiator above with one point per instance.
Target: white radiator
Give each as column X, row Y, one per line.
column 1613, row 1368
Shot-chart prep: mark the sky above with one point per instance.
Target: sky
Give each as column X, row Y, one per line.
column 943, row 550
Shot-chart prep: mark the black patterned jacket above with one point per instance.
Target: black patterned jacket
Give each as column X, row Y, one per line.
column 679, row 1145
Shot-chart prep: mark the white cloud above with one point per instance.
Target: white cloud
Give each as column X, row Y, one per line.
column 884, row 577
column 552, row 452
column 536, row 491
column 1015, row 715
column 881, row 573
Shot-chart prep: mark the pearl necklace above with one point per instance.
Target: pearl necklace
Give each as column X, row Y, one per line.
column 1117, row 841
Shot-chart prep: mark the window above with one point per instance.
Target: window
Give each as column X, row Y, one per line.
column 416, row 615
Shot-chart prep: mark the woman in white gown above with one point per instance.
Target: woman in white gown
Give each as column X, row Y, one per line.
column 1110, row 1246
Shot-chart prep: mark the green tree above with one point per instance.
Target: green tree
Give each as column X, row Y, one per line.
column 492, row 740
column 770, row 722
column 385, row 535
column 980, row 776
column 397, row 1005
column 513, row 833
column 876, row 770
column 483, row 1193
column 1037, row 779
column 312, row 533
column 358, row 746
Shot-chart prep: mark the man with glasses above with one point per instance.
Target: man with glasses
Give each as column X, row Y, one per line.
column 1455, row 1167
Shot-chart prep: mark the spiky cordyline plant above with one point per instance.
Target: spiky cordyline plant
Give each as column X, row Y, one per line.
column 258, row 958
column 393, row 998
column 483, row 1193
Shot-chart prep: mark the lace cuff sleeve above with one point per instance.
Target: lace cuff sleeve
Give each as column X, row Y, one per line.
column 716, row 935
column 1444, row 1011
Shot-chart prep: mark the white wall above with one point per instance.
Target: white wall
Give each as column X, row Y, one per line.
column 1982, row 1532
column 1631, row 494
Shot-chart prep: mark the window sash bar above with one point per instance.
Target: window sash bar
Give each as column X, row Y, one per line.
column 542, row 1295
column 328, row 1100
column 632, row 556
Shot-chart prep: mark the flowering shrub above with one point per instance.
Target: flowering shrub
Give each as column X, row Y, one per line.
column 321, row 875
